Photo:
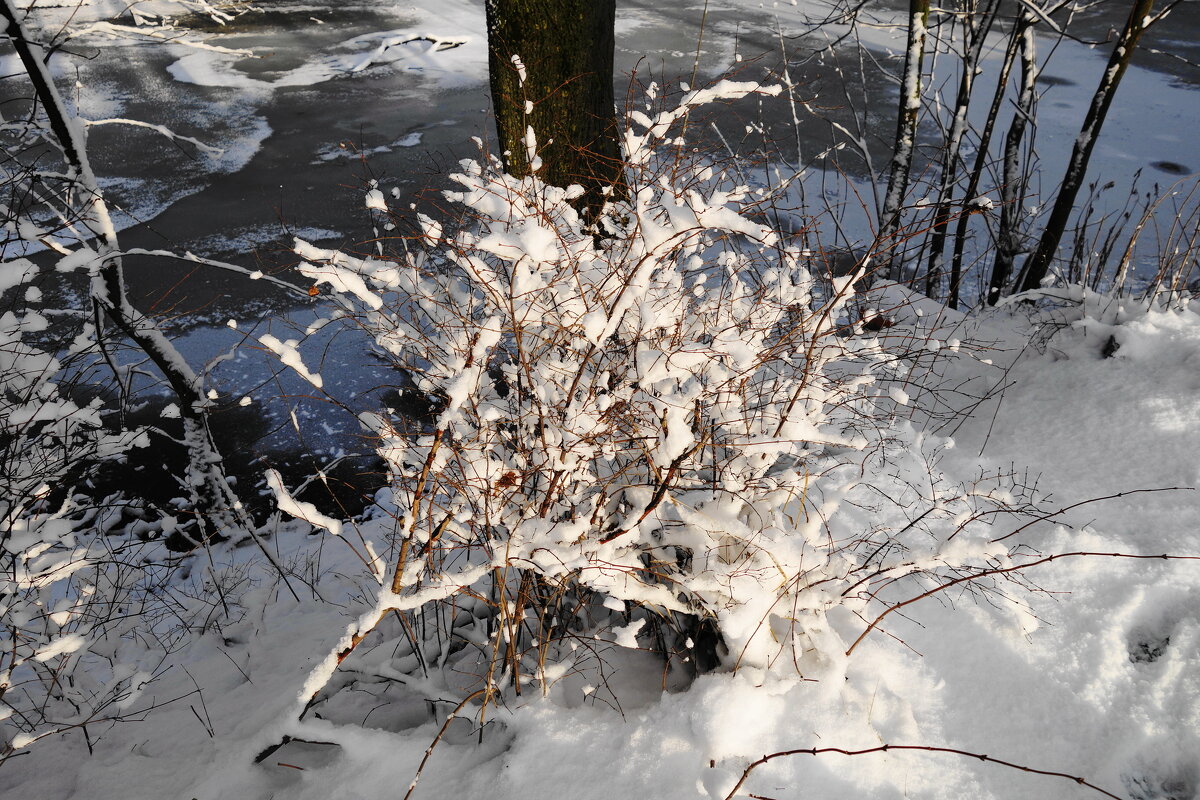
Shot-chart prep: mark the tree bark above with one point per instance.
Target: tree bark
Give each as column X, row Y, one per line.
column 1012, row 183
column 551, row 64
column 906, row 132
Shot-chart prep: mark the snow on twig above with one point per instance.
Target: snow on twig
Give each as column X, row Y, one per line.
column 161, row 129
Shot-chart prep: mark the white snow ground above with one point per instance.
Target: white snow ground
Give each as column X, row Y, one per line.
column 1093, row 677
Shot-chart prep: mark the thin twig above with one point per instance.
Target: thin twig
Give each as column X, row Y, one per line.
column 1065, row 509
column 441, row 732
column 816, row 751
column 1001, row 571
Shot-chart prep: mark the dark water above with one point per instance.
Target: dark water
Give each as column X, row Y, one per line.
column 291, row 169
column 303, row 176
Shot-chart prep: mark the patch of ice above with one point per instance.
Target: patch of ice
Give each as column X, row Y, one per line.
column 452, row 61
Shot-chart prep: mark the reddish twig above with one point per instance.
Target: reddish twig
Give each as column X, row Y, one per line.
column 816, row 751
column 1001, row 571
column 441, row 732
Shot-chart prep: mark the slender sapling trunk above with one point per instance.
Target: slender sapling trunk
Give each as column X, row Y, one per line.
column 906, row 129
column 976, row 26
column 212, row 494
column 1012, row 182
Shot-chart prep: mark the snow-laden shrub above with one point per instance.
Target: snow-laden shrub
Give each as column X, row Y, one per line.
column 76, row 583
column 668, row 415
column 66, row 593
column 92, row 601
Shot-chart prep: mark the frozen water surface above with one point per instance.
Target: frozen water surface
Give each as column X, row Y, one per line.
column 339, row 93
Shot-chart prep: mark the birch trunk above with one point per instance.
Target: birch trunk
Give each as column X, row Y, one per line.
column 1012, row 182
column 906, row 131
column 977, row 24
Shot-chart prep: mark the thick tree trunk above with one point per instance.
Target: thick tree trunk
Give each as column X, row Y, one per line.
column 551, row 65
column 1039, row 263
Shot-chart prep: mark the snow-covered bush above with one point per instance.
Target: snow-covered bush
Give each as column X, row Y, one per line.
column 63, row 590
column 77, row 579
column 667, row 417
